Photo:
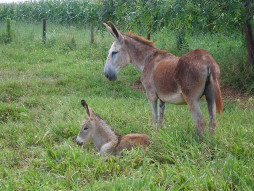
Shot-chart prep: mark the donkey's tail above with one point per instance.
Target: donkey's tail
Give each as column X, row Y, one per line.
column 216, row 89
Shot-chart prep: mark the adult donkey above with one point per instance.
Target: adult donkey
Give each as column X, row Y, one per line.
column 176, row 80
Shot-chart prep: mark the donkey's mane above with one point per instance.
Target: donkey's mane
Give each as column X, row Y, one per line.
column 139, row 38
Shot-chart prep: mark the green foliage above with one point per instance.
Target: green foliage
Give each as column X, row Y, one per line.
column 194, row 16
column 71, row 44
column 181, row 42
column 7, row 37
column 133, row 14
column 65, row 12
column 240, row 76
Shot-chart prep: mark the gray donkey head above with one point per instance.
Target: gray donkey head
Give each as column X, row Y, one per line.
column 86, row 132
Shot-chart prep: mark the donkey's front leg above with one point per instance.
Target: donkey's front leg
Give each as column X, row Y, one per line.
column 108, row 148
column 161, row 113
column 154, row 111
column 152, row 98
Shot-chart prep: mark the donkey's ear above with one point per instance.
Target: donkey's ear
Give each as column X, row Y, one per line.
column 88, row 109
column 109, row 29
column 114, row 31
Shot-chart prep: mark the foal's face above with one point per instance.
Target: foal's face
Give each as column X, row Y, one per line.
column 117, row 59
column 85, row 133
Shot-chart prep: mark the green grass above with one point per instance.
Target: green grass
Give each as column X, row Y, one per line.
column 40, row 114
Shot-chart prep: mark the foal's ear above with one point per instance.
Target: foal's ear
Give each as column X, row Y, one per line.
column 88, row 109
column 114, row 31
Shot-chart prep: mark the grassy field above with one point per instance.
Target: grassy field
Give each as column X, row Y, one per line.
column 40, row 115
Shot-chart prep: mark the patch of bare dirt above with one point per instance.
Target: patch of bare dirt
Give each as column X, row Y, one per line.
column 230, row 94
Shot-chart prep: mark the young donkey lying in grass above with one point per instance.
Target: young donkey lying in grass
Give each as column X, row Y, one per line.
column 105, row 139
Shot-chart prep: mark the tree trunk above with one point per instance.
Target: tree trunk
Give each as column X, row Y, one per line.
column 249, row 42
column 248, row 31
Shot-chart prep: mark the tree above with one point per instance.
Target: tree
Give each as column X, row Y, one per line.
column 248, row 31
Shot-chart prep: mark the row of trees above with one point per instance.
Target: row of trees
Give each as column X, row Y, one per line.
column 193, row 16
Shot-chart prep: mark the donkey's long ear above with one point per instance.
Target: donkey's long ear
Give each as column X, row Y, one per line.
column 109, row 30
column 114, row 31
column 88, row 109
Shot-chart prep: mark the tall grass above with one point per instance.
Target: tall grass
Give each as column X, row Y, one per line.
column 40, row 114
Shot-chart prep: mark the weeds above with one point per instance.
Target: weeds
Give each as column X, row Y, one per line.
column 181, row 42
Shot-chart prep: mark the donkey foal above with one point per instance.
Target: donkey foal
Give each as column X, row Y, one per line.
column 105, row 139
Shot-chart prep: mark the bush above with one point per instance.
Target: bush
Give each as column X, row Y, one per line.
column 240, row 76
column 7, row 36
column 181, row 41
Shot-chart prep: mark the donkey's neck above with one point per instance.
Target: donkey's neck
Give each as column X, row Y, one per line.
column 140, row 53
column 103, row 134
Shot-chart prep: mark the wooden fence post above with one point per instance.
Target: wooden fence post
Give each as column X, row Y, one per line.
column 92, row 33
column 148, row 35
column 148, row 32
column 44, row 30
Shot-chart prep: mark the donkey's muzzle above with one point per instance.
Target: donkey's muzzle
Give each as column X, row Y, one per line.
column 79, row 142
column 110, row 75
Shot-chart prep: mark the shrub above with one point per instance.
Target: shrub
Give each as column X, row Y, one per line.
column 7, row 36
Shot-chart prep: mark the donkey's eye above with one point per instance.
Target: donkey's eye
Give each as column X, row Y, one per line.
column 114, row 53
column 85, row 128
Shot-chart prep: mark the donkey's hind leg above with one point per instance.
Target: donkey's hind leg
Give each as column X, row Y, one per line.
column 197, row 116
column 211, row 108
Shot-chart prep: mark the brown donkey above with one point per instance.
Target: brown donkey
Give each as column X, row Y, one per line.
column 176, row 80
column 104, row 138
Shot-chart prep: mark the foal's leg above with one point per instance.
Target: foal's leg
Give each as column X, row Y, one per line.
column 211, row 108
column 197, row 116
column 161, row 113
column 108, row 148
